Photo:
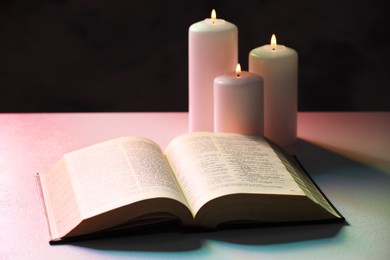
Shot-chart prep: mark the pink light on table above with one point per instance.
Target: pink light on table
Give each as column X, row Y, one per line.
column 338, row 132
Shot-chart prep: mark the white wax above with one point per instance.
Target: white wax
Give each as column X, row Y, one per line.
column 278, row 66
column 238, row 103
column 212, row 50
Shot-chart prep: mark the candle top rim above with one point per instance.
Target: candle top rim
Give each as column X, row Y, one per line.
column 266, row 51
column 231, row 78
column 206, row 25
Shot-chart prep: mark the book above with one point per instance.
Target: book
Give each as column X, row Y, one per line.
column 201, row 180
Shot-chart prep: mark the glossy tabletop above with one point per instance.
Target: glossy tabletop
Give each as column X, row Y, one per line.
column 347, row 154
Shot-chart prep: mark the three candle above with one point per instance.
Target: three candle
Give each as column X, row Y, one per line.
column 212, row 51
column 238, row 103
column 278, row 66
column 233, row 102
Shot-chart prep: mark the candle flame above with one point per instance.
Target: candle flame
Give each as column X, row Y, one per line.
column 238, row 70
column 213, row 14
column 273, row 41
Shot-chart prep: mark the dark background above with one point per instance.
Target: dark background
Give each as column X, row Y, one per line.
column 90, row 55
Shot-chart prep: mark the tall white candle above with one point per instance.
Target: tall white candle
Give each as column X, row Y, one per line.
column 238, row 103
column 212, row 51
column 278, row 66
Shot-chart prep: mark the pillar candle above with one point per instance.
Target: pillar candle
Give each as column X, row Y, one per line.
column 278, row 66
column 238, row 103
column 212, row 50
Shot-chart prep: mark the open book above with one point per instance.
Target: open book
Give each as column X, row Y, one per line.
column 201, row 179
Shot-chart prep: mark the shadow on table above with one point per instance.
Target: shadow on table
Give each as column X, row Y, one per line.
column 332, row 172
column 178, row 240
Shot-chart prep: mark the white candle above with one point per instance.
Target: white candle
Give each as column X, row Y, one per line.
column 238, row 103
column 212, row 50
column 278, row 66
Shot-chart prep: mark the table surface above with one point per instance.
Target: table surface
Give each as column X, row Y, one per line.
column 347, row 154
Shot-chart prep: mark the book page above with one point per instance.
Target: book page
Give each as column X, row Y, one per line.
column 60, row 201
column 209, row 165
column 119, row 172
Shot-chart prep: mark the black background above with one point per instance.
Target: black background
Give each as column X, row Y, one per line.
column 91, row 55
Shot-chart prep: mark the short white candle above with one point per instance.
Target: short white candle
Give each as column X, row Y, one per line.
column 212, row 51
column 238, row 103
column 278, row 66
